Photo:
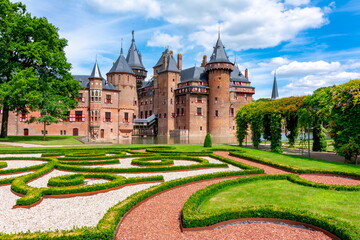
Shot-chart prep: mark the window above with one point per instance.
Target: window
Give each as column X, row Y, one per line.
column 216, row 99
column 108, row 99
column 165, row 115
column 60, row 132
column 126, row 116
column 159, row 115
column 171, row 101
column 141, row 114
column 178, row 111
column 23, row 118
column 95, row 95
column 198, row 111
column 64, row 132
column 171, row 89
column 79, row 117
column 200, row 128
column 182, row 111
column 216, row 113
column 95, row 115
column 150, row 113
column 199, row 99
column 111, row 130
column 146, row 114
column 107, row 117
column 81, row 98
column 231, row 112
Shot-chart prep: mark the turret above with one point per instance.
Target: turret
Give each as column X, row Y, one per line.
column 219, row 68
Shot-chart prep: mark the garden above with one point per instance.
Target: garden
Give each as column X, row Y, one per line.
column 92, row 192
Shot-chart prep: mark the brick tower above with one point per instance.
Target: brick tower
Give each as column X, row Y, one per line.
column 95, row 93
column 219, row 69
column 123, row 78
column 167, row 77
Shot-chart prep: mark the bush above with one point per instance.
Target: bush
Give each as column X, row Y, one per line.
column 207, row 142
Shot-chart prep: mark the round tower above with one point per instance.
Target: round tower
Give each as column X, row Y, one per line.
column 219, row 68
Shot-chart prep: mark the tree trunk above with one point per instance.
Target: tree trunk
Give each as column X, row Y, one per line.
column 5, row 120
column 44, row 138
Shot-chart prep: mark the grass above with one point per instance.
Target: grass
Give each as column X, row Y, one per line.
column 301, row 162
column 51, row 140
column 284, row 194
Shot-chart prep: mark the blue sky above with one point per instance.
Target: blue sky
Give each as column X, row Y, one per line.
column 310, row 44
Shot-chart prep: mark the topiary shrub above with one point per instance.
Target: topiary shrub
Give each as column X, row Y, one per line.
column 207, row 142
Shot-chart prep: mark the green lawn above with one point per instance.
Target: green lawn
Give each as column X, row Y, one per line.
column 299, row 161
column 343, row 205
column 51, row 140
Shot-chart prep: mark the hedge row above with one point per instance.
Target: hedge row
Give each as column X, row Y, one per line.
column 67, row 180
column 192, row 218
column 93, row 158
column 3, row 164
column 32, row 195
column 166, row 160
column 95, row 162
column 288, row 167
column 23, row 169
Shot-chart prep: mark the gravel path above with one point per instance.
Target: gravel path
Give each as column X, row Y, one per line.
column 158, row 218
column 330, row 179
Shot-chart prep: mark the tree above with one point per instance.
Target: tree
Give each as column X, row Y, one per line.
column 32, row 61
column 207, row 141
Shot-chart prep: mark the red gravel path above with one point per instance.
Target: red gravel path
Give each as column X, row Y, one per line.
column 268, row 169
column 158, row 217
column 330, row 179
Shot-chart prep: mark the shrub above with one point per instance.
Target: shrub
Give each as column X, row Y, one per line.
column 207, row 142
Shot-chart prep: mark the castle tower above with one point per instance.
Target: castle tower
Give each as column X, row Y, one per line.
column 95, row 98
column 219, row 68
column 165, row 83
column 123, row 78
column 134, row 60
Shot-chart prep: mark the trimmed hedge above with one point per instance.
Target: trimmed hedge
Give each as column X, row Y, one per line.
column 166, row 160
column 3, row 164
column 67, row 180
column 192, row 218
column 288, row 167
column 95, row 162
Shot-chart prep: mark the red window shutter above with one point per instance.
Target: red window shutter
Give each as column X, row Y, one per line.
column 83, row 99
column 72, row 117
column 111, row 101
column 83, row 118
column 110, row 119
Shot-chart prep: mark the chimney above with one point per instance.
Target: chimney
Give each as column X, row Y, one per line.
column 247, row 74
column 179, row 61
column 165, row 61
column 204, row 61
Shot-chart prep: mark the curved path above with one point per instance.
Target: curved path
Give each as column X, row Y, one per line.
column 158, row 217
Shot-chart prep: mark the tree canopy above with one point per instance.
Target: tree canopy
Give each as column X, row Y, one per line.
column 33, row 63
column 336, row 107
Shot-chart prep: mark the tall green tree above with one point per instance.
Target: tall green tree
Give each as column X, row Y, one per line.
column 32, row 61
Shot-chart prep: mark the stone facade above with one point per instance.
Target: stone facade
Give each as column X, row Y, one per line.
column 175, row 101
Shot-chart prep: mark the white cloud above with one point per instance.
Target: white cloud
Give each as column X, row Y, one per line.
column 160, row 39
column 296, row 68
column 273, row 62
column 297, row 2
column 149, row 8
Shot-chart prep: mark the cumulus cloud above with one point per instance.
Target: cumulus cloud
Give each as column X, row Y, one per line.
column 297, row 2
column 274, row 62
column 160, row 39
column 149, row 8
column 297, row 68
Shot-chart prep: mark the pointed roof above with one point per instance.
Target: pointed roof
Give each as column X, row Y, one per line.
column 236, row 75
column 274, row 94
column 160, row 61
column 133, row 56
column 219, row 54
column 171, row 65
column 96, row 71
column 194, row 74
column 121, row 65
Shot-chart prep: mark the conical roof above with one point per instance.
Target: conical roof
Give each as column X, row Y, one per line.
column 171, row 65
column 160, row 61
column 274, row 94
column 236, row 75
column 219, row 54
column 96, row 71
column 121, row 65
column 133, row 56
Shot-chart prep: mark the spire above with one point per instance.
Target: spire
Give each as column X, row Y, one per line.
column 219, row 54
column 274, row 94
column 133, row 57
column 121, row 65
column 121, row 51
column 96, row 71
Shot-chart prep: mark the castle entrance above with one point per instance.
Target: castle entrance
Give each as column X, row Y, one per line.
column 75, row 132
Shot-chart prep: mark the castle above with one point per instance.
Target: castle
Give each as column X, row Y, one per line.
column 174, row 102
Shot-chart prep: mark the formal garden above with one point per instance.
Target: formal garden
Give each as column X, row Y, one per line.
column 84, row 192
